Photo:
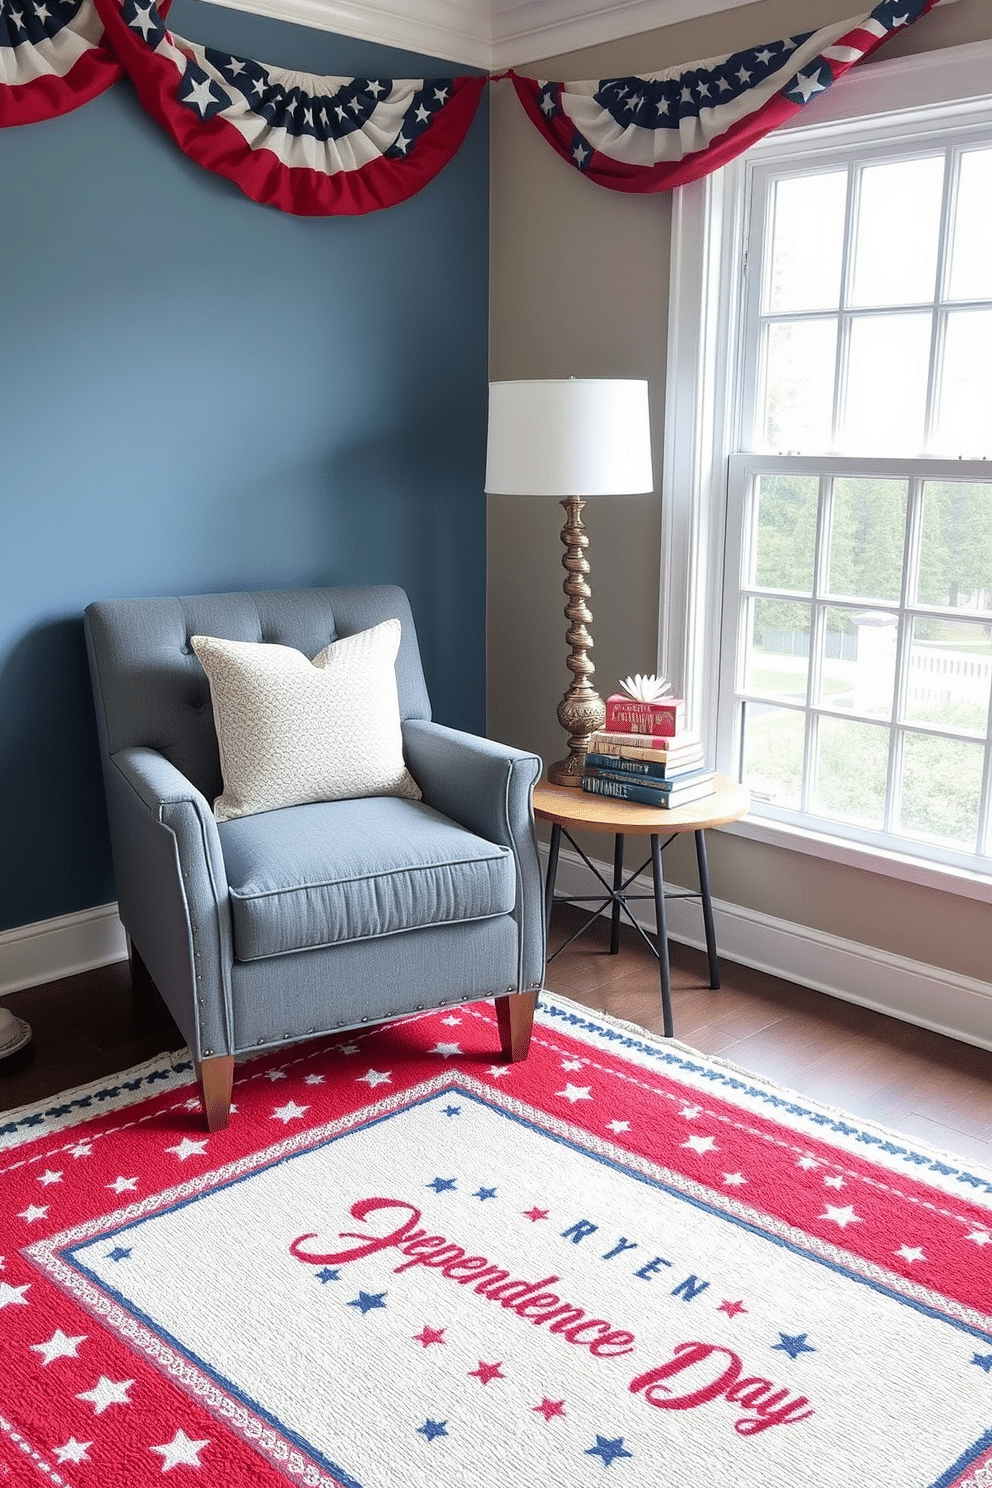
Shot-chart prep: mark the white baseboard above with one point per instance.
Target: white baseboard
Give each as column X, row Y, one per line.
column 958, row 1006
column 51, row 949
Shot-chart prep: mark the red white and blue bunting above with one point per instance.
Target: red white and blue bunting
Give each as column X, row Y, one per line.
column 53, row 58
column 317, row 146
column 658, row 130
column 313, row 146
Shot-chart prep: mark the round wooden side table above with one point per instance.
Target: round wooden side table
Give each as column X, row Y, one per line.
column 569, row 810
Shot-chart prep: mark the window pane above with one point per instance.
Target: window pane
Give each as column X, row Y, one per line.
column 971, row 260
column 851, row 768
column 887, row 384
column 773, row 753
column 858, row 669
column 941, row 785
column 867, row 539
column 785, row 532
column 956, row 545
column 950, row 665
column 805, row 267
column 776, row 664
column 799, row 385
column 964, row 424
column 898, row 224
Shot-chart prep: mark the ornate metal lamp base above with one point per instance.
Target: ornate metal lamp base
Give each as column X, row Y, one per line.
column 581, row 710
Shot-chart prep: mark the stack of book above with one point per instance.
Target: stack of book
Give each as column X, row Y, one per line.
column 645, row 753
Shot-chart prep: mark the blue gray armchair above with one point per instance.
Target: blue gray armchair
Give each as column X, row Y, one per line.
column 314, row 918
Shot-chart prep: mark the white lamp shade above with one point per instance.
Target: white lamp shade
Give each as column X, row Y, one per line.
column 573, row 437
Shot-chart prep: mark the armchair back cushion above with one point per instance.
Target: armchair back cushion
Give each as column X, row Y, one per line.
column 153, row 690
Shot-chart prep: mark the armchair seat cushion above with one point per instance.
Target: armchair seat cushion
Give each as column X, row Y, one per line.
column 336, row 871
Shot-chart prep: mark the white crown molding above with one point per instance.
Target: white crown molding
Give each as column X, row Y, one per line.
column 436, row 28
column 474, row 33
column 531, row 29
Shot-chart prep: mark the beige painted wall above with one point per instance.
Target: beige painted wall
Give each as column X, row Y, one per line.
column 580, row 288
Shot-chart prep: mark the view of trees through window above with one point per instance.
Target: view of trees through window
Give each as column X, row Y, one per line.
column 863, row 674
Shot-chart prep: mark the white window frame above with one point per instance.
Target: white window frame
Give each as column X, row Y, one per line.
column 701, row 417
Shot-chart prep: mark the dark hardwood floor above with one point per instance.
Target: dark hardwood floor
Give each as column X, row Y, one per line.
column 903, row 1077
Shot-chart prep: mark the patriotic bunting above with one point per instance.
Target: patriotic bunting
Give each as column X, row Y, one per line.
column 313, row 146
column 53, row 58
column 658, row 130
column 317, row 146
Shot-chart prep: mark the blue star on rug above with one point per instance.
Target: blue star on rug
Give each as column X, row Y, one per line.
column 795, row 1345
column 431, row 1429
column 366, row 1301
column 608, row 1450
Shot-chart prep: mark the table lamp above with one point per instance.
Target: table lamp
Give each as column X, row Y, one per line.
column 571, row 438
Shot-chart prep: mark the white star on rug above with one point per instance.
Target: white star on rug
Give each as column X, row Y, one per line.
column 123, row 1185
column 842, row 1217
column 193, row 1104
column 980, row 1237
column 347, row 1048
column 59, row 1346
column 572, row 1064
column 691, row 1112
column 618, row 1126
column 807, row 1163
column 446, row 1050
column 33, row 1212
column 452, row 1021
column 11, row 1296
column 82, row 1149
column 702, row 1145
column 276, row 1075
column 835, row 1182
column 575, row 1093
column 910, row 1253
column 107, row 1392
column 289, row 1112
column 375, row 1077
column 73, row 1451
column 314, row 1080
column 498, row 1070
column 181, row 1451
column 735, row 1180
column 188, row 1148
column 48, row 1177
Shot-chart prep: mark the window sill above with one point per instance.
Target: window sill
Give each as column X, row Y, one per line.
column 943, row 877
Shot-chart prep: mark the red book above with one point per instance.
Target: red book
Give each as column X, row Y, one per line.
column 662, row 719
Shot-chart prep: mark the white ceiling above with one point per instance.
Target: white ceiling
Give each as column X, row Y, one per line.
column 490, row 34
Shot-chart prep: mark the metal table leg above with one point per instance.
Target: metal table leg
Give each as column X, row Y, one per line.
column 549, row 882
column 707, row 904
column 662, row 932
column 617, row 892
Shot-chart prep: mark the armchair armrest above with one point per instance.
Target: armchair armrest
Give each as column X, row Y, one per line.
column 487, row 788
column 172, row 891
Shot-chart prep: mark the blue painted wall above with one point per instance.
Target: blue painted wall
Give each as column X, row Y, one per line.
column 198, row 393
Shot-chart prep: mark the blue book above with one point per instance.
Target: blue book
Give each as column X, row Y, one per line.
column 656, row 770
column 647, row 795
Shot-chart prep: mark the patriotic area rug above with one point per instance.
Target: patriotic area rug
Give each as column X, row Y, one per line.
column 405, row 1264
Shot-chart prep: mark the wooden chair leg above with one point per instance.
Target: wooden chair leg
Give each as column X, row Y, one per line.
column 515, row 1016
column 216, row 1077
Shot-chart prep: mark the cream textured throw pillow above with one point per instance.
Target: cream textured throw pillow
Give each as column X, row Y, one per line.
column 292, row 730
